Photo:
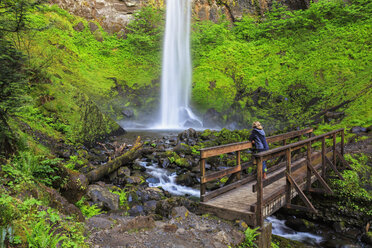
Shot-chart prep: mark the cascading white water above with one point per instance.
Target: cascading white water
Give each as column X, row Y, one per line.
column 176, row 71
column 167, row 180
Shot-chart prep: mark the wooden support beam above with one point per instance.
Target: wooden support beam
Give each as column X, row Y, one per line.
column 259, row 214
column 343, row 161
column 308, row 170
column 324, row 168
column 334, row 149
column 202, row 175
column 301, row 194
column 321, row 180
column 288, row 172
column 334, row 168
column 238, row 174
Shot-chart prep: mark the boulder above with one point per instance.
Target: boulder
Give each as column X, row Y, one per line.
column 358, row 130
column 103, row 197
column 150, row 206
column 186, row 179
column 136, row 210
column 182, row 148
column 123, row 172
column 59, row 202
column 127, row 113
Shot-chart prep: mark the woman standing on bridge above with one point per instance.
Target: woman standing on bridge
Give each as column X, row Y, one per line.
column 258, row 138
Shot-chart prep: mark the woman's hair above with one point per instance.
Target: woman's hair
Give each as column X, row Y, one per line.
column 257, row 125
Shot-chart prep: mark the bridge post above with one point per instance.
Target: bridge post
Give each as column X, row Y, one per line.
column 288, row 184
column 323, row 158
column 202, row 175
column 334, row 149
column 238, row 174
column 259, row 215
column 308, row 170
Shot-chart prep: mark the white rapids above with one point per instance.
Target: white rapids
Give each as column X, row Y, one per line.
column 167, row 181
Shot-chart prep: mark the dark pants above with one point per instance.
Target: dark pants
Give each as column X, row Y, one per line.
column 264, row 169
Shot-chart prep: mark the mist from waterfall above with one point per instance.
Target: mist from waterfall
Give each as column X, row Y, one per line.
column 176, row 70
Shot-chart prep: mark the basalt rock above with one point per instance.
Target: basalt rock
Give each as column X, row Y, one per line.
column 103, row 197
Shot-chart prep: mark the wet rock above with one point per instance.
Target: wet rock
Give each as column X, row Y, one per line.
column 93, row 27
column 59, row 202
column 165, row 163
column 151, row 193
column 358, row 130
column 212, row 119
column 153, row 180
column 103, row 197
column 300, row 225
column 186, row 179
column 135, row 180
column 182, row 148
column 79, row 27
column 150, row 206
column 137, row 166
column 123, row 172
column 127, row 113
column 136, row 210
column 189, row 136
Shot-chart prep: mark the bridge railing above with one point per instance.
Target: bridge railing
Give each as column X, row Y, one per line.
column 287, row 152
column 236, row 170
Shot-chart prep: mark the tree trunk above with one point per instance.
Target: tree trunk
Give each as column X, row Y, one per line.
column 115, row 164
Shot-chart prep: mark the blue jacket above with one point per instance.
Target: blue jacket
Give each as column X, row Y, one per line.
column 258, row 135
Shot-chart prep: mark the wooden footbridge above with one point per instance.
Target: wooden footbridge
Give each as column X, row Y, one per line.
column 296, row 167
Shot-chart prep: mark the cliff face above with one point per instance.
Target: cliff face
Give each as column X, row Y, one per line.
column 114, row 15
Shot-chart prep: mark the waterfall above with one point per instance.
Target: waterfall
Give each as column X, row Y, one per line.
column 176, row 70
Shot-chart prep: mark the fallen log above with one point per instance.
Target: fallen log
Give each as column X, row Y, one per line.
column 111, row 166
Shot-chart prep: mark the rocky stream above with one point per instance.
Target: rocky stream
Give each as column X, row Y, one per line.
column 161, row 201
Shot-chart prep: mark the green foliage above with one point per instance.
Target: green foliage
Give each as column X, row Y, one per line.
column 35, row 167
column 287, row 66
column 250, row 238
column 43, row 236
column 146, row 30
column 352, row 190
column 86, row 210
column 123, row 198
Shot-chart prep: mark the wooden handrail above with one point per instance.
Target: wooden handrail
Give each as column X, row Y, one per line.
column 237, row 147
column 295, row 145
column 223, row 149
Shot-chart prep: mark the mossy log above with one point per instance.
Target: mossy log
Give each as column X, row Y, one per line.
column 115, row 164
